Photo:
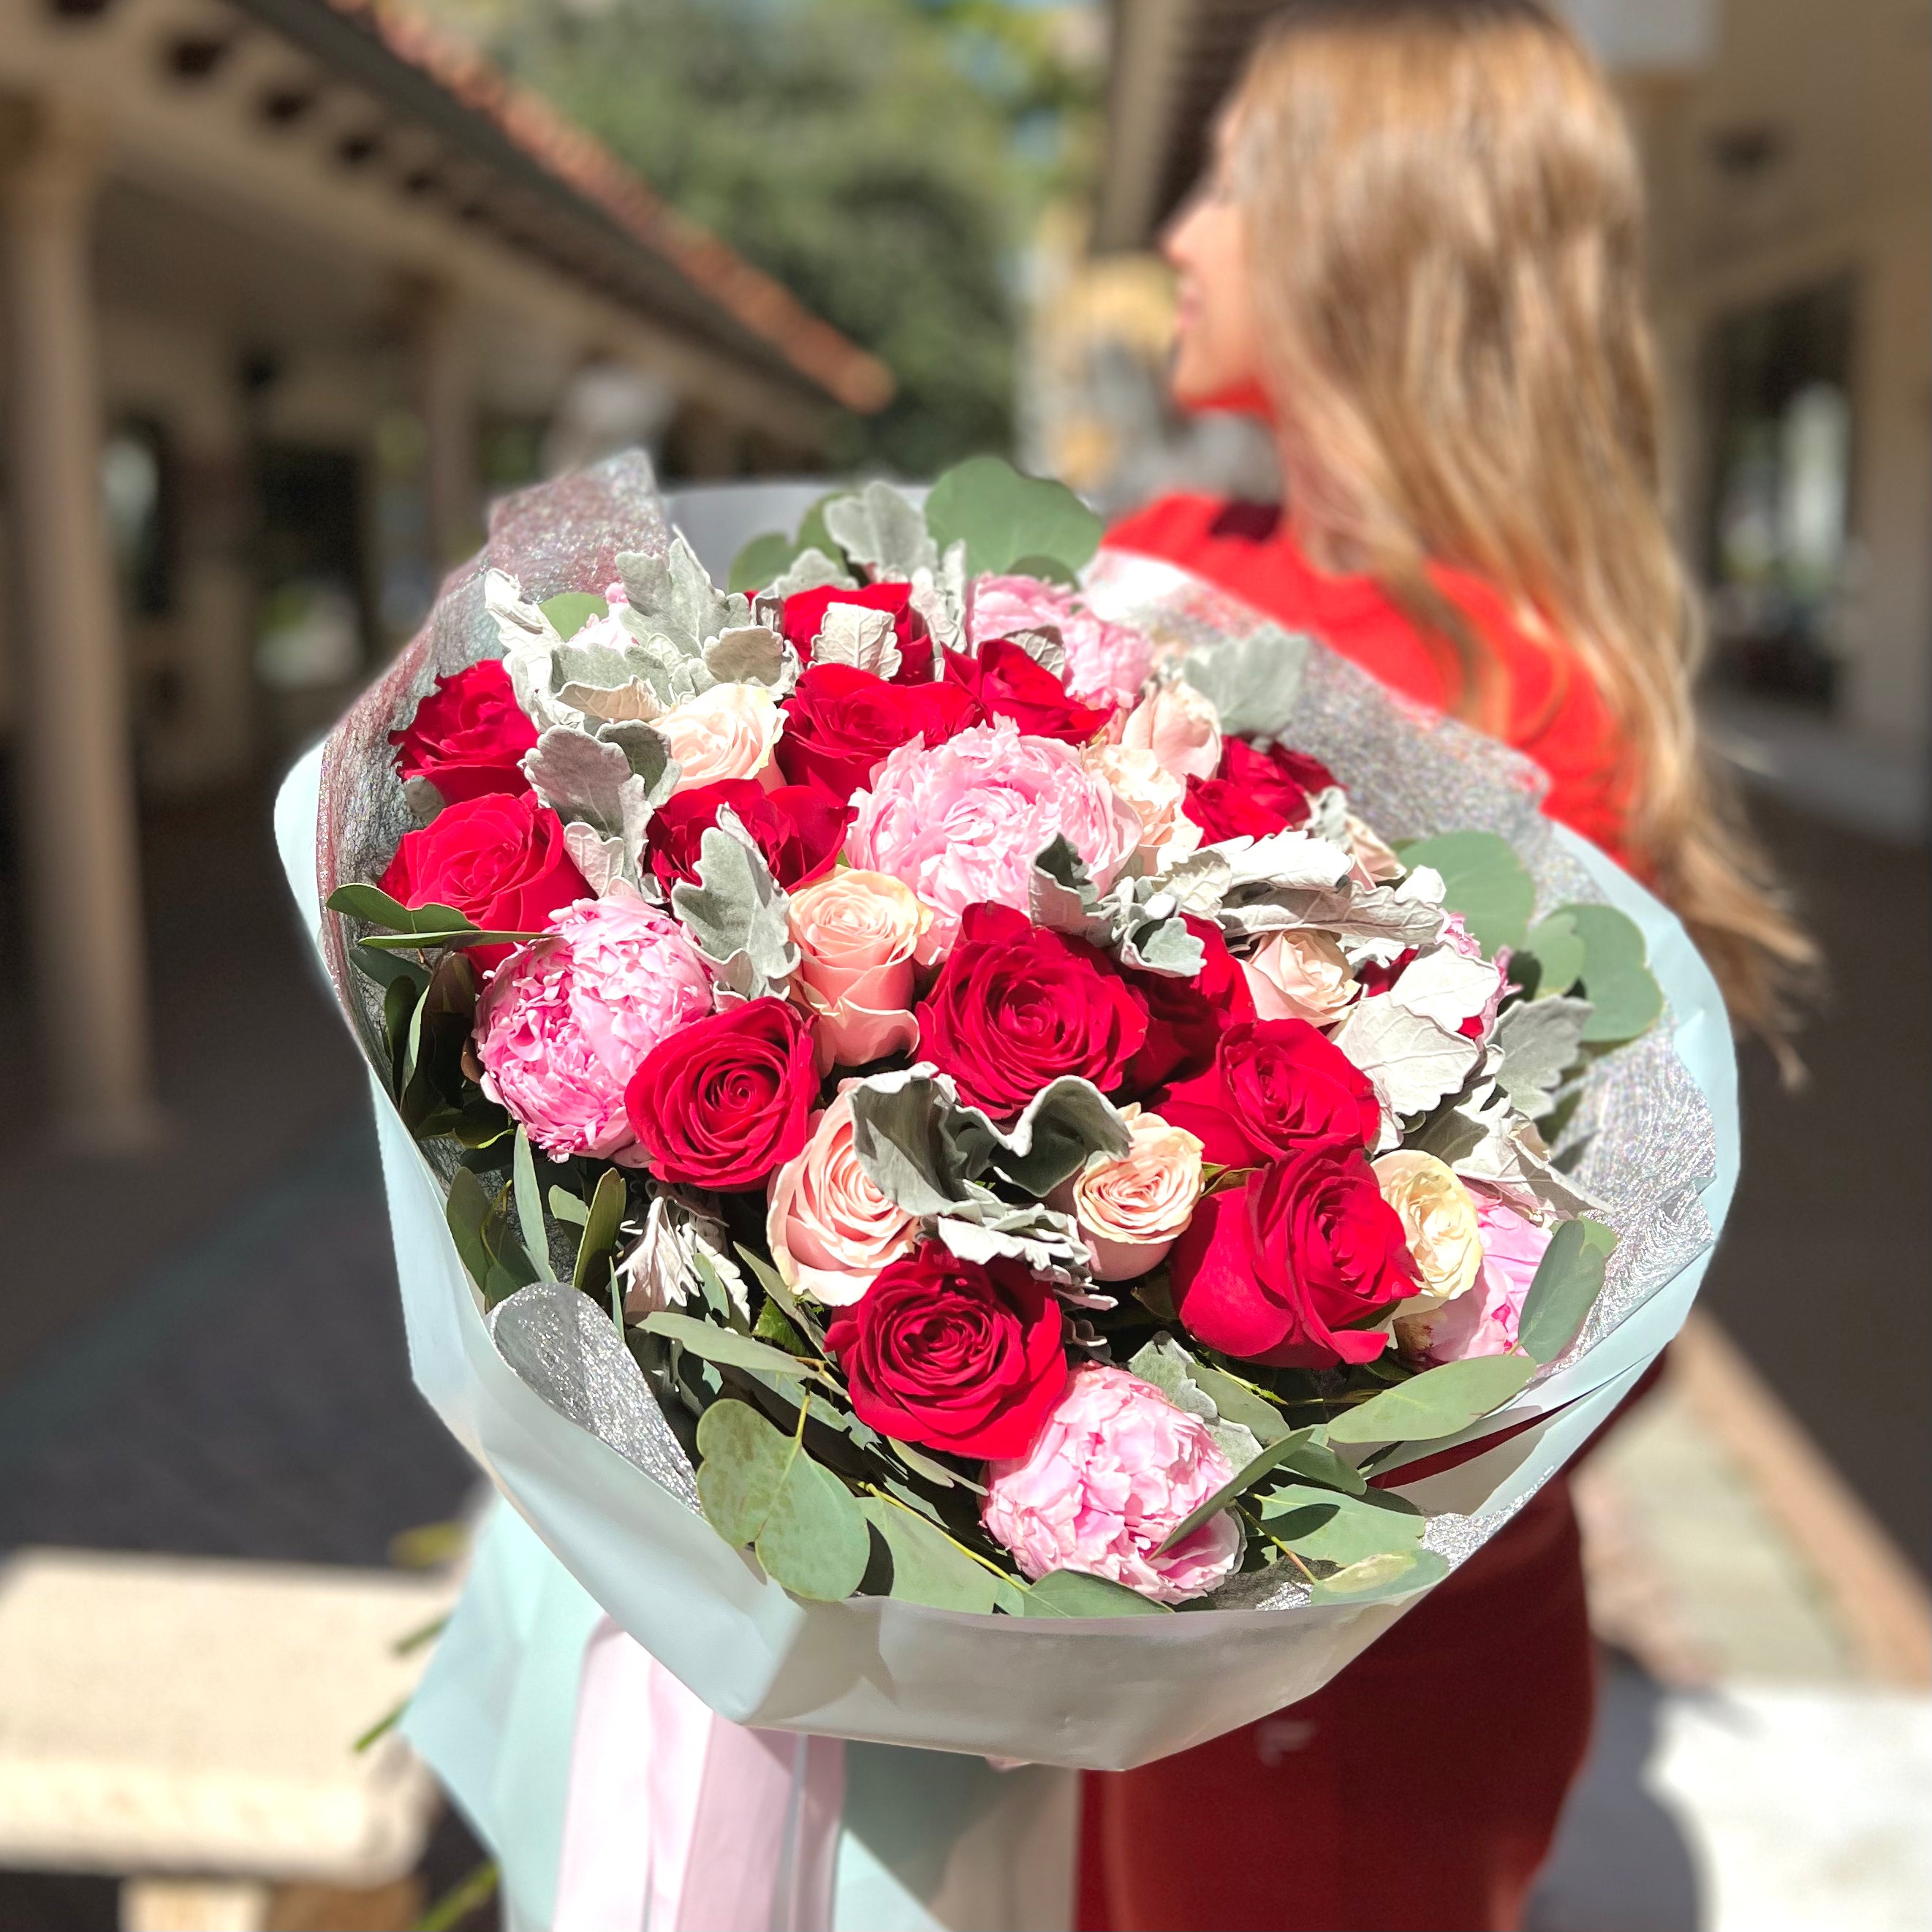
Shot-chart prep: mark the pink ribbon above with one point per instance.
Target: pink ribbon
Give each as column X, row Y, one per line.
column 677, row 1820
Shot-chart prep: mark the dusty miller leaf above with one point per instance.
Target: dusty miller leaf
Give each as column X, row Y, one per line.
column 811, row 569
column 878, row 527
column 1539, row 1041
column 673, row 597
column 589, row 780
column 735, row 912
column 1413, row 1063
column 1253, row 681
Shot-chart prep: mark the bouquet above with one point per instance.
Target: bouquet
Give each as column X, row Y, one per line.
column 1003, row 1108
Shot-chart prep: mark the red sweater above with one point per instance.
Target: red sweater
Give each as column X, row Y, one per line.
column 1554, row 713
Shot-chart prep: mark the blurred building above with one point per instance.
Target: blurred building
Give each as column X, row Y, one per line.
column 292, row 286
column 1788, row 145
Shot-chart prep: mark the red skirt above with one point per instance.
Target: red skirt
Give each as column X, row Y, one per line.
column 1418, row 1792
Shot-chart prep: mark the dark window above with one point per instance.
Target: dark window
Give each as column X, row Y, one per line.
column 1777, row 531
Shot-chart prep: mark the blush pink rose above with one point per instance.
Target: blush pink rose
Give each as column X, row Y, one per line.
column 1167, row 833
column 1132, row 1208
column 1300, row 975
column 830, row 1227
column 858, row 934
column 1181, row 726
column 730, row 731
column 1483, row 1320
column 567, row 1020
column 962, row 823
column 1115, row 1469
column 1103, row 660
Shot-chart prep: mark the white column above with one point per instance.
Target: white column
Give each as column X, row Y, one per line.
column 77, row 794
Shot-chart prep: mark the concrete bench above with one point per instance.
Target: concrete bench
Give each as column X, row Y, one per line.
column 188, row 1725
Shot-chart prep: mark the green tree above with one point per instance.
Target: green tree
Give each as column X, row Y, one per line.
column 881, row 157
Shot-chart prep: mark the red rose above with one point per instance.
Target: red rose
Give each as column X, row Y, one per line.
column 1288, row 1269
column 1008, row 683
column 1374, row 977
column 804, row 614
column 725, row 1099
column 951, row 1354
column 840, row 722
column 1276, row 1085
column 1279, row 781
column 498, row 858
column 799, row 829
column 1186, row 1018
column 1016, row 1005
column 468, row 736
column 1223, row 810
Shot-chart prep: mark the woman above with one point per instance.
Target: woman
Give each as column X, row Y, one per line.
column 1417, row 255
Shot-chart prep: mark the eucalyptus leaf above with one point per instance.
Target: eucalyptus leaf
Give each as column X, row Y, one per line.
column 1072, row 1593
column 1394, row 1573
column 1244, row 1479
column 1483, row 880
column 758, row 1486
column 1329, row 1526
column 1164, row 1364
column 565, row 1206
column 601, row 1228
column 1001, row 516
column 726, row 1346
column 1439, row 1402
column 761, row 561
column 1047, row 569
column 1623, row 991
column 388, row 968
column 1568, row 1280
column 570, row 611
column 1557, row 948
column 529, row 1201
column 932, row 1472
column 1241, row 1404
column 375, row 907
column 928, row 1567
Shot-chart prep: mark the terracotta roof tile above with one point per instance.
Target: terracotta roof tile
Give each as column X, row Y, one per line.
column 582, row 164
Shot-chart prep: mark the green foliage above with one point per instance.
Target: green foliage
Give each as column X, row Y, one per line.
column 726, row 1345
column 759, row 1487
column 1568, row 1280
column 877, row 157
column 928, row 1567
column 1072, row 1593
column 1002, row 517
column 1439, row 1402
column 1487, row 883
column 1624, row 995
column 570, row 611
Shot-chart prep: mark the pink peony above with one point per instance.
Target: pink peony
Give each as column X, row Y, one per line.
column 961, row 824
column 1103, row 660
column 1482, row 1320
column 566, row 1020
column 1114, row 1469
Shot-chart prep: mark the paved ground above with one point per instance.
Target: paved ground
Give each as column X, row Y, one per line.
column 200, row 1351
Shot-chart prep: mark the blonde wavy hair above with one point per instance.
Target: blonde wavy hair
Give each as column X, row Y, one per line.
column 1444, row 212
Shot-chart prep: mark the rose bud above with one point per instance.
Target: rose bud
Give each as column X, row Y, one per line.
column 1132, row 1208
column 1439, row 1220
column 728, row 732
column 1300, row 975
column 858, row 934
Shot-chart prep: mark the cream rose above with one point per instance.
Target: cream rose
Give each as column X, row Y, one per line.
column 1438, row 1217
column 728, row 732
column 1156, row 796
column 1300, row 975
column 1181, row 726
column 858, row 934
column 830, row 1229
column 1133, row 1208
column 1378, row 861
